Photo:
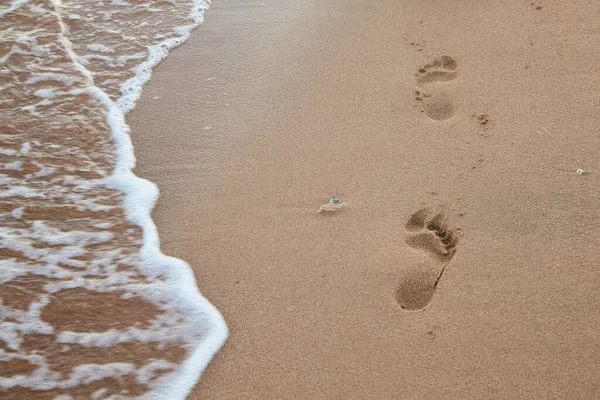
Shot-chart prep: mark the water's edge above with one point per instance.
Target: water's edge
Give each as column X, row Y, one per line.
column 90, row 306
column 141, row 191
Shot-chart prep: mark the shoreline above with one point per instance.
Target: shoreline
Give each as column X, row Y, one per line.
column 90, row 306
column 276, row 112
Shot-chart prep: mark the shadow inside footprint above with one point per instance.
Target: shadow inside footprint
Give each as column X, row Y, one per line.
column 416, row 290
column 438, row 107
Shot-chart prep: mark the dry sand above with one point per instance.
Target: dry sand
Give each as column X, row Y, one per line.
column 273, row 107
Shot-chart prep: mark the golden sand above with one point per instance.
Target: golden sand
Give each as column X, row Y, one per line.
column 481, row 110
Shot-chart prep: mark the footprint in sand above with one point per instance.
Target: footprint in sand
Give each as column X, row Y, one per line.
column 436, row 103
column 428, row 232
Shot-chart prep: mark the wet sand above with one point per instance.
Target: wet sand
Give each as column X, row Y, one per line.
column 479, row 114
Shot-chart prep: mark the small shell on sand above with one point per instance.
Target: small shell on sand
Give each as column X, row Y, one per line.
column 333, row 206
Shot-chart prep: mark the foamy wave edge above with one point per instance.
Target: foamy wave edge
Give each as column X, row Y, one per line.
column 140, row 196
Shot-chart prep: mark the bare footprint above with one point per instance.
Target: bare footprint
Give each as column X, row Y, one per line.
column 442, row 69
column 428, row 232
column 436, row 103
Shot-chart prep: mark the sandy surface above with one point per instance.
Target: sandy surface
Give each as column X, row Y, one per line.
column 270, row 110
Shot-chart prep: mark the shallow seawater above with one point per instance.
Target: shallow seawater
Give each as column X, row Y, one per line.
column 89, row 307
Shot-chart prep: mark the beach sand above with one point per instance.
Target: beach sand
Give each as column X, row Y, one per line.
column 272, row 108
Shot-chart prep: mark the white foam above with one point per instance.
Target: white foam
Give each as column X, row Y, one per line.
column 85, row 374
column 7, row 152
column 85, row 60
column 25, row 148
column 148, row 371
column 82, row 374
column 100, row 48
column 37, row 77
column 98, row 394
column 21, row 191
column 15, row 4
column 26, row 322
column 17, row 213
column 122, row 60
column 53, row 236
column 14, row 165
column 44, row 171
column 45, row 93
